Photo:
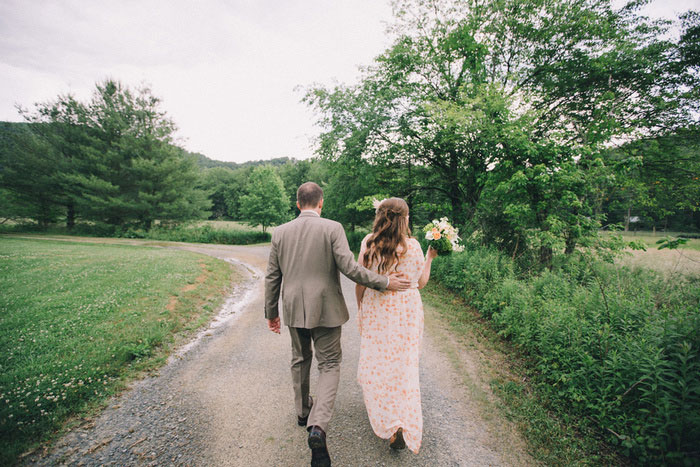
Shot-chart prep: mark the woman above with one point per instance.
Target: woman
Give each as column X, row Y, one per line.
column 391, row 328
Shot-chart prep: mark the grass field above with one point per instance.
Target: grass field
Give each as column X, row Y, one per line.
column 219, row 232
column 684, row 260
column 650, row 239
column 79, row 320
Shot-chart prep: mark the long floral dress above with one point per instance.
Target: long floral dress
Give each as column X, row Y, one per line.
column 391, row 326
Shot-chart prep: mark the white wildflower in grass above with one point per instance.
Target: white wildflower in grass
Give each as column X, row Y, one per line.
column 442, row 236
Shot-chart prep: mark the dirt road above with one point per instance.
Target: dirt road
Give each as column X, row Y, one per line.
column 228, row 401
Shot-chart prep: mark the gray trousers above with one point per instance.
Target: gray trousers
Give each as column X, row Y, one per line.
column 326, row 343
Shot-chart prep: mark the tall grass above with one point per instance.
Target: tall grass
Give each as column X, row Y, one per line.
column 613, row 346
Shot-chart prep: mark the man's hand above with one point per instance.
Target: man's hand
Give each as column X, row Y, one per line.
column 397, row 282
column 274, row 325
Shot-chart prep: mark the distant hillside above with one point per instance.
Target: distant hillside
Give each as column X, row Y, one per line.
column 207, row 163
column 8, row 128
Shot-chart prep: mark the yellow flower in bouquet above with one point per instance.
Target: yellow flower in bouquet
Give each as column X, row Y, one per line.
column 442, row 236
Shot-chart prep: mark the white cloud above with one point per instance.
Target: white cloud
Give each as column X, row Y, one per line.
column 226, row 70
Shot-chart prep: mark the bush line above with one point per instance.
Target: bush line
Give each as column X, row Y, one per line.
column 610, row 345
column 179, row 233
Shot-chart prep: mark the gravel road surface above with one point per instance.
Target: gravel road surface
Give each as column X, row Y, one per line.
column 228, row 401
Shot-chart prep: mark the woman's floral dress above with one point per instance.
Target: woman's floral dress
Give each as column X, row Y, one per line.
column 391, row 326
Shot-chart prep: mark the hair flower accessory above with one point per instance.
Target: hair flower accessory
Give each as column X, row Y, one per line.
column 376, row 203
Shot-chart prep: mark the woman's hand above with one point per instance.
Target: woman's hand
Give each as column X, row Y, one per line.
column 425, row 275
column 432, row 253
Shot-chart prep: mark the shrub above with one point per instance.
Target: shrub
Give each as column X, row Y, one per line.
column 177, row 233
column 207, row 234
column 355, row 238
column 473, row 273
column 610, row 344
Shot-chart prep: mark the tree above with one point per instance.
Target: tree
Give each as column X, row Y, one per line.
column 234, row 192
column 62, row 125
column 118, row 164
column 293, row 174
column 474, row 90
column 662, row 182
column 217, row 181
column 265, row 202
column 29, row 176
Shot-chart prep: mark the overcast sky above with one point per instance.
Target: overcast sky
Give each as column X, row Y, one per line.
column 226, row 70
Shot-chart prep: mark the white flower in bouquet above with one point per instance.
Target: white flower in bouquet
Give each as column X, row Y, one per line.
column 442, row 236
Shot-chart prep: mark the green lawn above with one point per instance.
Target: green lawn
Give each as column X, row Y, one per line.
column 684, row 260
column 650, row 239
column 78, row 320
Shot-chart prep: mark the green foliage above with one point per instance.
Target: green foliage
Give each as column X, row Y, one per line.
column 355, row 238
column 671, row 243
column 295, row 173
column 206, row 163
column 110, row 160
column 205, row 234
column 657, row 181
column 265, row 202
column 348, row 182
column 224, row 187
column 132, row 174
column 78, row 320
column 501, row 112
column 28, row 166
column 616, row 346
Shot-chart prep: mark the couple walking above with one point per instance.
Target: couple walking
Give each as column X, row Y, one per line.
column 306, row 257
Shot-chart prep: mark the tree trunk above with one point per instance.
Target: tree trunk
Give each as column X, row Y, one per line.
column 457, row 211
column 627, row 219
column 455, row 198
column 70, row 216
column 44, row 214
column 546, row 255
column 570, row 245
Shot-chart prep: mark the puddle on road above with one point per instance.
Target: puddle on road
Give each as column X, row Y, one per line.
column 231, row 310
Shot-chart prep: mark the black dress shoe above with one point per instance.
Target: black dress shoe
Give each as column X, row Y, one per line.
column 320, row 458
column 397, row 441
column 303, row 420
column 317, row 438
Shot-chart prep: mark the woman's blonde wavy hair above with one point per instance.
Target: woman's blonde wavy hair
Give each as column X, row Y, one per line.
column 389, row 232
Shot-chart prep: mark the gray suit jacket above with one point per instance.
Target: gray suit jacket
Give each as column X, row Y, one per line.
column 306, row 257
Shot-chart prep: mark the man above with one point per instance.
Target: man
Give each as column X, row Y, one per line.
column 306, row 257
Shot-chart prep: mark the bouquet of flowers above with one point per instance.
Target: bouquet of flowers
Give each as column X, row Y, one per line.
column 443, row 237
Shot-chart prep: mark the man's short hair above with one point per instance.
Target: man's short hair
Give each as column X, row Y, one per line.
column 309, row 195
